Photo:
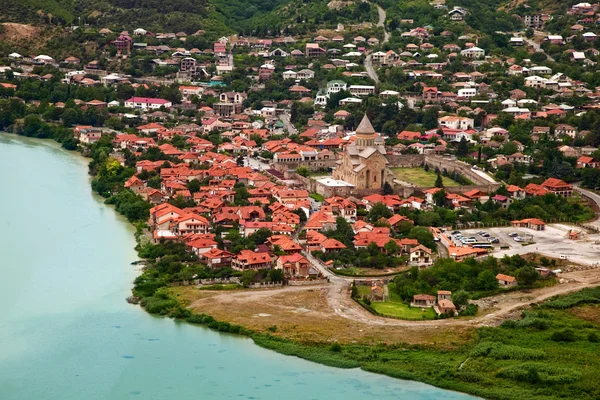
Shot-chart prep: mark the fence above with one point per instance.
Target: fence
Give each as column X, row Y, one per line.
column 261, row 285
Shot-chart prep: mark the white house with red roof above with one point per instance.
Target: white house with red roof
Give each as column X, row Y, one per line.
column 147, row 103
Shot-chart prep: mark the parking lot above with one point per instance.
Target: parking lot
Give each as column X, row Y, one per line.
column 551, row 242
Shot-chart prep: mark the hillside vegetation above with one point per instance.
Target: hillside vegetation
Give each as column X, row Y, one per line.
column 215, row 16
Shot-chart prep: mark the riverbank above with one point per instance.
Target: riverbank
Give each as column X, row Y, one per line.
column 67, row 332
column 443, row 364
column 549, row 352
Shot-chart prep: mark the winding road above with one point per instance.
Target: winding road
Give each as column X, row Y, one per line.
column 500, row 306
column 386, row 37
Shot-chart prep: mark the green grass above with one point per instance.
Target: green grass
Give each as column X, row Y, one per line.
column 419, row 177
column 394, row 307
column 317, row 197
column 227, row 286
column 402, row 311
column 552, row 352
column 517, row 360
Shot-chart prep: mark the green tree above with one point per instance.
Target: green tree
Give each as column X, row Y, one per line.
column 378, row 211
column 387, row 189
column 463, row 147
column 303, row 171
column 460, row 298
column 194, row 186
column 439, row 183
column 392, row 248
column 486, row 280
column 423, row 236
column 439, row 198
column 527, row 275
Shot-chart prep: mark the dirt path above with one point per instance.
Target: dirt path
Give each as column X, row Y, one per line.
column 494, row 309
column 499, row 306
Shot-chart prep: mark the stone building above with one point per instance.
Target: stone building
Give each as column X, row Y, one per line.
column 363, row 164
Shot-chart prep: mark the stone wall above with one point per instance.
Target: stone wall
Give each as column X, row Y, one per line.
column 313, row 165
column 452, row 165
column 405, row 160
column 307, row 282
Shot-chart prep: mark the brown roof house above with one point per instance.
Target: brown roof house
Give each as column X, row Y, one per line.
column 505, row 281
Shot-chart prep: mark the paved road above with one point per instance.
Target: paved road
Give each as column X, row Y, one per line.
column 595, row 198
column 288, row 125
column 386, row 37
column 536, row 47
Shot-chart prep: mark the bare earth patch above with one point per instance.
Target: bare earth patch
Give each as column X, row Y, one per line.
column 304, row 314
column 16, row 32
column 589, row 313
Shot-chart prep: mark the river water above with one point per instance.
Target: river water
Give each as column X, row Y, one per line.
column 66, row 331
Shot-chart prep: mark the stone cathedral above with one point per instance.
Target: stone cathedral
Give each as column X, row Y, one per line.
column 363, row 164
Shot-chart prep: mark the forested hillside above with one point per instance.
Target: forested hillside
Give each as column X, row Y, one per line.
column 218, row 16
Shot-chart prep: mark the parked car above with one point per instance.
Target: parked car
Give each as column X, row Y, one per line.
column 456, row 232
column 493, row 240
column 513, row 234
column 518, row 239
column 485, row 235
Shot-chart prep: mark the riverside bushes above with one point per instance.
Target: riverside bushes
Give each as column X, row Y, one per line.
column 500, row 351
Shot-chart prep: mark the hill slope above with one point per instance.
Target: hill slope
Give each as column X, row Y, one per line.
column 217, row 16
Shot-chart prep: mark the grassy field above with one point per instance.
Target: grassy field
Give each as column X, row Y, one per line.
column 551, row 352
column 394, row 307
column 418, row 177
column 356, row 271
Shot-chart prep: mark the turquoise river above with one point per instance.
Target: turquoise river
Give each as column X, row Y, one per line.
column 66, row 331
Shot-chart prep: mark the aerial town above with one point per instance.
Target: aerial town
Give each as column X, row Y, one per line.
column 339, row 176
column 338, row 159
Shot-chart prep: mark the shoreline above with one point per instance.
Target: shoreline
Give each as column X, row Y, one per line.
column 273, row 343
column 327, row 353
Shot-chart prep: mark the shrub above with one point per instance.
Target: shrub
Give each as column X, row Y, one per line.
column 157, row 305
column 593, row 337
column 565, row 335
column 181, row 312
column 336, row 347
column 366, row 300
column 585, row 296
column 272, row 328
column 500, row 351
column 539, row 373
column 470, row 310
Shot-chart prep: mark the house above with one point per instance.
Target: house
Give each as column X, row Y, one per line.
column 461, row 253
column 473, row 52
column 331, row 245
column 134, row 184
column 444, row 295
column 558, row 187
column 502, row 200
column 457, row 14
column 455, row 122
column 216, row 258
column 296, row 265
column 447, row 307
column 554, row 39
column 531, row 223
column 248, row 259
column 565, row 130
column 377, row 291
column 314, row 50
column 587, row 162
column 420, row 255
column 147, row 103
column 423, row 300
column 506, row 280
